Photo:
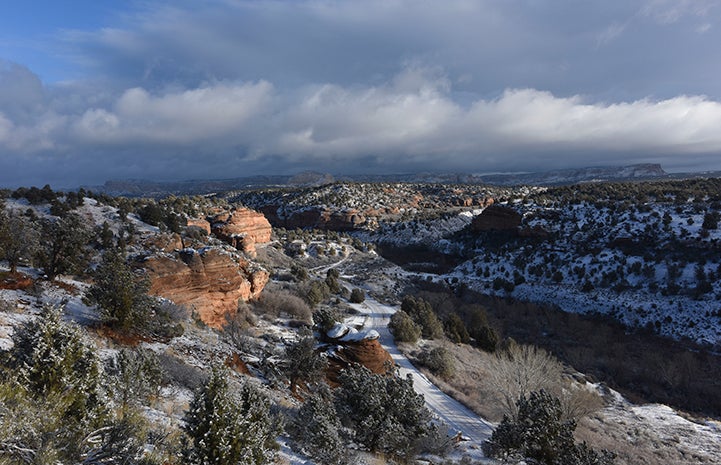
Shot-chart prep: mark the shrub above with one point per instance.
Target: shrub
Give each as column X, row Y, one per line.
column 520, row 370
column 403, row 328
column 357, row 296
column 280, row 302
column 439, row 361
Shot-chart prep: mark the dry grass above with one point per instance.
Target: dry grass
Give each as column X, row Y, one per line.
column 639, row 442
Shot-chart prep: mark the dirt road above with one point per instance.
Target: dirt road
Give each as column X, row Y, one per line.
column 458, row 417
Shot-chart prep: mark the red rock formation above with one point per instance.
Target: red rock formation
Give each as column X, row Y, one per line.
column 163, row 242
column 318, row 218
column 200, row 223
column 211, row 282
column 368, row 352
column 16, row 281
column 242, row 228
column 497, row 218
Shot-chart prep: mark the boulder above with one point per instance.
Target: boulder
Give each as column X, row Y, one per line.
column 355, row 347
column 368, row 352
column 211, row 281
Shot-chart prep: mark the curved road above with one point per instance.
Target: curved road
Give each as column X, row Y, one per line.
column 456, row 415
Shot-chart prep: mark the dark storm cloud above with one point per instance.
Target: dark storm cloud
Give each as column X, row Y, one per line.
column 230, row 88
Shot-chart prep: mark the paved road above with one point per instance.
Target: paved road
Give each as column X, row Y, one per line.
column 457, row 416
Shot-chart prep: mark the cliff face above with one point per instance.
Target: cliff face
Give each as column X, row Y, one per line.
column 497, row 218
column 211, row 281
column 242, row 228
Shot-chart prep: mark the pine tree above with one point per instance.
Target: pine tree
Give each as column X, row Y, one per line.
column 121, row 295
column 19, row 239
column 64, row 246
column 317, row 429
column 227, row 427
column 539, row 434
column 303, row 362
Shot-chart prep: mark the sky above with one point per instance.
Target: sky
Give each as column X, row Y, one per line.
column 92, row 90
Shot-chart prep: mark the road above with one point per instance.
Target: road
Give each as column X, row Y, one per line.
column 451, row 412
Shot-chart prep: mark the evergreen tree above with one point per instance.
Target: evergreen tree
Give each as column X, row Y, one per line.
column 538, row 434
column 456, row 330
column 64, row 246
column 386, row 414
column 325, row 318
column 357, row 296
column 403, row 328
column 317, row 428
column 304, row 363
column 422, row 313
column 136, row 375
column 121, row 295
column 52, row 363
column 19, row 238
column 227, row 427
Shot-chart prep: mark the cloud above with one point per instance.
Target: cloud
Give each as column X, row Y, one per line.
column 408, row 122
column 224, row 88
column 671, row 11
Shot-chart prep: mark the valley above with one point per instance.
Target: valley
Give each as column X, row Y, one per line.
column 617, row 282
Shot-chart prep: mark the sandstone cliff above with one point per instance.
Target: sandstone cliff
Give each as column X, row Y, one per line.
column 210, row 281
column 242, row 228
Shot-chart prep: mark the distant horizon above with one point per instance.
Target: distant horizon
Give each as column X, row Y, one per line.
column 338, row 176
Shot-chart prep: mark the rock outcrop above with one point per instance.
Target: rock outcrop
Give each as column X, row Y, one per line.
column 497, row 218
column 317, row 218
column 350, row 346
column 199, row 223
column 211, row 281
column 242, row 228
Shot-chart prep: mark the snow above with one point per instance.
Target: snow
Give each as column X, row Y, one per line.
column 346, row 333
